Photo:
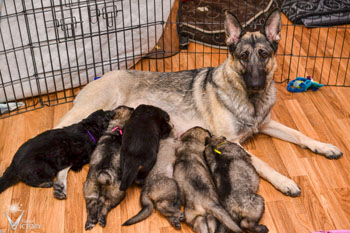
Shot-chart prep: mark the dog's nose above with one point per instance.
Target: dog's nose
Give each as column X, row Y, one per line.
column 257, row 88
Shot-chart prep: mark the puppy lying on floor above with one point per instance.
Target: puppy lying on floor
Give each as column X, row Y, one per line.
column 101, row 188
column 237, row 183
column 196, row 185
column 37, row 161
column 160, row 189
column 147, row 125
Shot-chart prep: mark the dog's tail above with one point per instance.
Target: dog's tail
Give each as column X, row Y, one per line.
column 221, row 214
column 129, row 174
column 9, row 178
column 147, row 209
column 105, row 177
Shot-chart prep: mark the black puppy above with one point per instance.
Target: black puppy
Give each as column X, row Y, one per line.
column 140, row 143
column 37, row 161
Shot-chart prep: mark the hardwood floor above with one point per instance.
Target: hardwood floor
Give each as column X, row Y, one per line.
column 323, row 115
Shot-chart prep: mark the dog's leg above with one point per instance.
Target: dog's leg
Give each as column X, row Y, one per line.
column 60, row 185
column 278, row 130
column 212, row 223
column 279, row 181
column 108, row 203
column 92, row 212
column 171, row 211
column 91, row 194
column 200, row 225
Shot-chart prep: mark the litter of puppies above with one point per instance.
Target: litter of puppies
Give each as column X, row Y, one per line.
column 213, row 179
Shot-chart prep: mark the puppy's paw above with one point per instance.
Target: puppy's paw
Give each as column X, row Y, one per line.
column 102, row 221
column 328, row 150
column 182, row 217
column 175, row 222
column 46, row 184
column 261, row 229
column 89, row 226
column 286, row 186
column 59, row 191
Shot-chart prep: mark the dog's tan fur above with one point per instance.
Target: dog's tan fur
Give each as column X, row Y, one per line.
column 196, row 185
column 101, row 188
column 160, row 189
column 237, row 183
column 217, row 99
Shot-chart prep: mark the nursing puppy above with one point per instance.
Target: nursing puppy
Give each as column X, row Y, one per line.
column 237, row 183
column 196, row 185
column 101, row 188
column 37, row 161
column 147, row 125
column 160, row 189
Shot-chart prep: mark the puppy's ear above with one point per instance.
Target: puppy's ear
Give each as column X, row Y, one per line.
column 272, row 28
column 110, row 114
column 233, row 30
column 185, row 136
column 164, row 114
column 207, row 140
column 165, row 129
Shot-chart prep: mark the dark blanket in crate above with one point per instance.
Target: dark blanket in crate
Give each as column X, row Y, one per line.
column 316, row 13
column 202, row 20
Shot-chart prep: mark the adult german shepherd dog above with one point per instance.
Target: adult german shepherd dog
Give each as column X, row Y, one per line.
column 232, row 100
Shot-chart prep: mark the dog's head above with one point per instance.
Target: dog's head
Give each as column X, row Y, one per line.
column 197, row 134
column 252, row 54
column 121, row 115
column 99, row 119
column 162, row 118
column 226, row 149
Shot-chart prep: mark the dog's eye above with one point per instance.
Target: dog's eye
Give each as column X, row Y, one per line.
column 244, row 56
column 263, row 54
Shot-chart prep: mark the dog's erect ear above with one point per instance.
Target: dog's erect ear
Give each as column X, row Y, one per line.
column 233, row 29
column 272, row 28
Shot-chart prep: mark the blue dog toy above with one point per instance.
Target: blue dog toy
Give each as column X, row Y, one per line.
column 302, row 84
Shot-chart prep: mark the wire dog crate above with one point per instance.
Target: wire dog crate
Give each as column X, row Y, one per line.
column 49, row 49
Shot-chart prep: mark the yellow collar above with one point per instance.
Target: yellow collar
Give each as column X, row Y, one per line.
column 216, row 150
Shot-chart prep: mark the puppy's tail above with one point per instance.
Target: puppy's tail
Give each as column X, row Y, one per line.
column 147, row 209
column 221, row 214
column 129, row 174
column 105, row 177
column 8, row 179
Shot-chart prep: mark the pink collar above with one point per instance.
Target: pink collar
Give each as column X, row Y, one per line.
column 118, row 128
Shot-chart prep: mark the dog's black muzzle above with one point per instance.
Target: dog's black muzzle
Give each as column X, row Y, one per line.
column 254, row 78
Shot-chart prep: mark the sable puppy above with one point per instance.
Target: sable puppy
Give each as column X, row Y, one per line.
column 196, row 185
column 37, row 161
column 101, row 188
column 147, row 125
column 160, row 189
column 237, row 183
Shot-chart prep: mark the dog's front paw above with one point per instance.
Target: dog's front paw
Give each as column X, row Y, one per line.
column 102, row 221
column 182, row 217
column 175, row 222
column 328, row 150
column 89, row 226
column 261, row 229
column 287, row 186
column 59, row 191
